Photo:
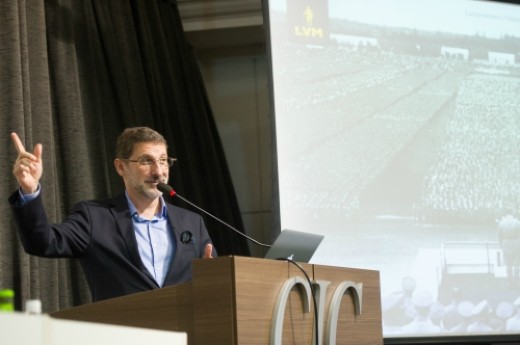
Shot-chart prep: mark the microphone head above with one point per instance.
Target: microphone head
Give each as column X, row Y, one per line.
column 165, row 189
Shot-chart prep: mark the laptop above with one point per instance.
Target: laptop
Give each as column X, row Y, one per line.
column 294, row 245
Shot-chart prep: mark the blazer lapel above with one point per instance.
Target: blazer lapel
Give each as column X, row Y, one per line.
column 181, row 248
column 126, row 229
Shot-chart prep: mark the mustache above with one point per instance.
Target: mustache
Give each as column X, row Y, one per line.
column 157, row 180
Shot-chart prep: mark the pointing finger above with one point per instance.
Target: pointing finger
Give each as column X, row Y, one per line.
column 21, row 149
column 17, row 143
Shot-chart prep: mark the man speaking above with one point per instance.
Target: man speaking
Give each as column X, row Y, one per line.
column 130, row 243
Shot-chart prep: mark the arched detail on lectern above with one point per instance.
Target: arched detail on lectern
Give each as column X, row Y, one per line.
column 332, row 325
column 281, row 302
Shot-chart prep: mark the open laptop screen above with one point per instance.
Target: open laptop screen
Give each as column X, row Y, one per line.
column 295, row 245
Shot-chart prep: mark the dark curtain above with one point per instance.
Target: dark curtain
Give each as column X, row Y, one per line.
column 73, row 75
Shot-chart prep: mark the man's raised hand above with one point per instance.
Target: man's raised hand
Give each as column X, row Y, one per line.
column 28, row 167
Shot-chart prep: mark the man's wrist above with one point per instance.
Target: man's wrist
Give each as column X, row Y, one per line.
column 28, row 197
column 27, row 192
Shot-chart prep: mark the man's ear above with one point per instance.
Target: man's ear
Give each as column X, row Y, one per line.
column 118, row 164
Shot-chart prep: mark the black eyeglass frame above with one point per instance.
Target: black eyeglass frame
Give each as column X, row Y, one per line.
column 147, row 161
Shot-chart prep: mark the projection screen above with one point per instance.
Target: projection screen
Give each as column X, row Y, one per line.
column 398, row 138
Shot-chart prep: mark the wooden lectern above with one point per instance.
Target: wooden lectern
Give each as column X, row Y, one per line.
column 234, row 301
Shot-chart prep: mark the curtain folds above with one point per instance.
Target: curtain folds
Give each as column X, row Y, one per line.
column 73, row 75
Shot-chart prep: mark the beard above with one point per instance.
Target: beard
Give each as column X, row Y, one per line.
column 147, row 190
column 148, row 187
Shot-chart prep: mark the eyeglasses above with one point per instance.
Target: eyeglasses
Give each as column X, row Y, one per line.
column 147, row 161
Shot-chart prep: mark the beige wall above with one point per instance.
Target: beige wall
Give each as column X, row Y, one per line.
column 236, row 82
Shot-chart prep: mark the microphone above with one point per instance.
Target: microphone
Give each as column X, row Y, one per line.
column 167, row 190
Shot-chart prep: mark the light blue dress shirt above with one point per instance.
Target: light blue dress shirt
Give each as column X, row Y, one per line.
column 154, row 240
column 25, row 198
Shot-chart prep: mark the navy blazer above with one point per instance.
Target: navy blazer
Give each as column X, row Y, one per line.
column 101, row 235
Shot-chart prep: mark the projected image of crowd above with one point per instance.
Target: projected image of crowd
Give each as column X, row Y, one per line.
column 417, row 312
column 426, row 133
column 369, row 133
column 478, row 170
column 375, row 105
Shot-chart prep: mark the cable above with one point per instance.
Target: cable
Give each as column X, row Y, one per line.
column 316, row 324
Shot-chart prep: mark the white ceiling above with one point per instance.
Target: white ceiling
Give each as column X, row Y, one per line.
column 222, row 23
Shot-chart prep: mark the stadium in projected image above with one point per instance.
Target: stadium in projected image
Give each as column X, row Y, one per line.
column 398, row 138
